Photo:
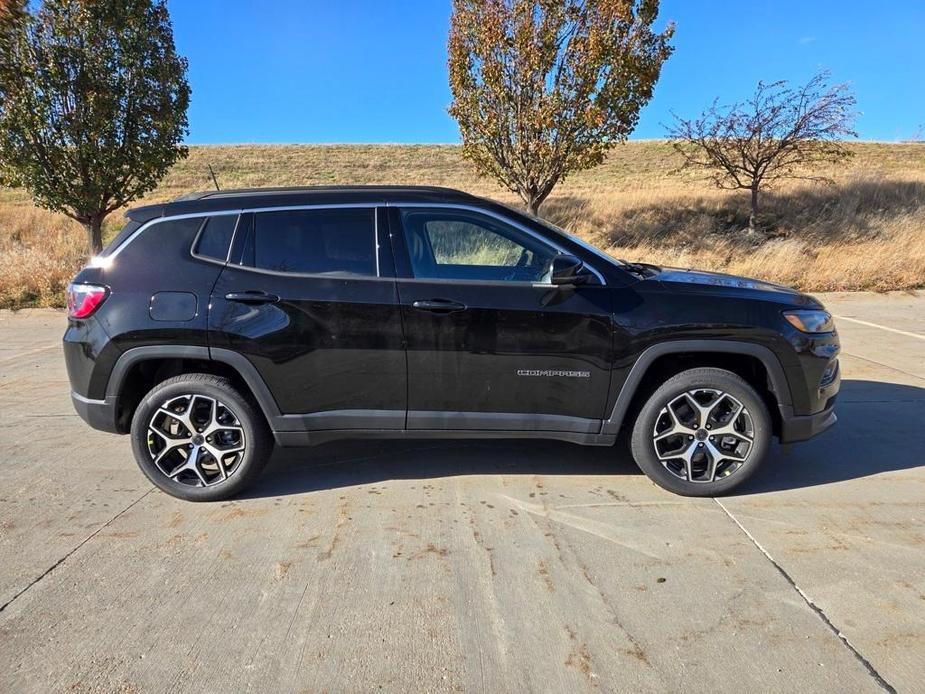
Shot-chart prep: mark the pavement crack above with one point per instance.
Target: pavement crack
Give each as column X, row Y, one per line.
column 819, row 612
column 58, row 563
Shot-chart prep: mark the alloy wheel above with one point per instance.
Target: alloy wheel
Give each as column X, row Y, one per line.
column 703, row 435
column 196, row 440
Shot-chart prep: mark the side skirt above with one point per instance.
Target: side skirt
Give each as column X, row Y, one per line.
column 313, row 438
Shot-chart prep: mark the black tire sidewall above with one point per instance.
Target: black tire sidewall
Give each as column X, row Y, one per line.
column 644, row 452
column 257, row 439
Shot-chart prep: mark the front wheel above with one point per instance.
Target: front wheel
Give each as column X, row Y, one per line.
column 702, row 433
column 199, row 439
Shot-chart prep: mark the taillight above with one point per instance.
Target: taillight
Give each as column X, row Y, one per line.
column 84, row 299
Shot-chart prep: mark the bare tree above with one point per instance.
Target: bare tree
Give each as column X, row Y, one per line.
column 780, row 132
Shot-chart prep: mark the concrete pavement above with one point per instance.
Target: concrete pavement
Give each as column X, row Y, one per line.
column 469, row 566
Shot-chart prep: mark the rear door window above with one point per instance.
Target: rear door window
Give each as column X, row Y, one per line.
column 314, row 242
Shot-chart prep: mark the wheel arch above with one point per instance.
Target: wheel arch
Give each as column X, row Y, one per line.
column 141, row 368
column 756, row 363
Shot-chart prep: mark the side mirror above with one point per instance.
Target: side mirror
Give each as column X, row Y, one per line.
column 566, row 269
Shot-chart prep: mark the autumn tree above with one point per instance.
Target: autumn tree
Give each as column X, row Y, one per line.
column 93, row 100
column 13, row 17
column 542, row 88
column 780, row 132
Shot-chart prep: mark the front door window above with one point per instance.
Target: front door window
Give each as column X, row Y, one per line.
column 460, row 245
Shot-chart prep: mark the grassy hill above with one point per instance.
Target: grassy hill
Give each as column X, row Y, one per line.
column 866, row 232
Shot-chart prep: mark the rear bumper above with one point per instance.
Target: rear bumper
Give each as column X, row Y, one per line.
column 800, row 428
column 99, row 414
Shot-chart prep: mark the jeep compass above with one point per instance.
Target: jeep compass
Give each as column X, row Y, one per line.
column 221, row 324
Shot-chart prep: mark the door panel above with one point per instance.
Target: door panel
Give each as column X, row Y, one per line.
column 329, row 344
column 494, row 354
column 515, row 349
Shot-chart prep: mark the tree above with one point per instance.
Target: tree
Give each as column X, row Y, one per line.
column 13, row 17
column 780, row 132
column 542, row 88
column 93, row 100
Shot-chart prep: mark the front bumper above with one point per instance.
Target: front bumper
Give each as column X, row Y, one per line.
column 800, row 428
column 815, row 401
column 99, row 414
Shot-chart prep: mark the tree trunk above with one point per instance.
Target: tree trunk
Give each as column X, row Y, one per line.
column 534, row 200
column 94, row 227
column 753, row 217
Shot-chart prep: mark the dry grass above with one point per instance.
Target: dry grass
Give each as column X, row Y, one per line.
column 866, row 232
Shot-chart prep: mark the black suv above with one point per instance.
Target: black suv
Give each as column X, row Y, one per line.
column 221, row 323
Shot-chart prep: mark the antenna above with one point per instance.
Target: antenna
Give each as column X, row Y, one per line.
column 214, row 180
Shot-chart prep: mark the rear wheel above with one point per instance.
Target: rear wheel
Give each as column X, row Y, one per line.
column 199, row 439
column 702, row 433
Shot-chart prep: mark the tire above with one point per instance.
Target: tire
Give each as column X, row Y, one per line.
column 228, row 426
column 707, row 429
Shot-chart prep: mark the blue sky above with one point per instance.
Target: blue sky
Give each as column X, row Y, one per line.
column 374, row 71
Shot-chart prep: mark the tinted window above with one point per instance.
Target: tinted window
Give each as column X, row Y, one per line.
column 215, row 237
column 314, row 241
column 449, row 244
column 131, row 226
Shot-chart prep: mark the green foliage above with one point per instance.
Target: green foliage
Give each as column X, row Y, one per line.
column 542, row 88
column 93, row 101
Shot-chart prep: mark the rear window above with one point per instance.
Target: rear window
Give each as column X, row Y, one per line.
column 215, row 237
column 331, row 241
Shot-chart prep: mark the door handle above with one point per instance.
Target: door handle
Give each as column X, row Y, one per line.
column 439, row 306
column 252, row 296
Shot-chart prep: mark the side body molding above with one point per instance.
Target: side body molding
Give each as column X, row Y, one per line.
column 279, row 422
column 637, row 372
column 382, row 423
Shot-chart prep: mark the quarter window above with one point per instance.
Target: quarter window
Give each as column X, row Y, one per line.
column 461, row 245
column 317, row 242
column 130, row 228
column 215, row 237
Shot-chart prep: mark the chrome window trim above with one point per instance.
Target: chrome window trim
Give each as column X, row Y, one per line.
column 234, row 237
column 209, row 259
column 501, row 218
column 319, row 276
column 159, row 220
column 362, row 205
column 238, row 211
column 491, row 283
column 376, row 238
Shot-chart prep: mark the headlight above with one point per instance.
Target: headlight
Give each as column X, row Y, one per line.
column 810, row 321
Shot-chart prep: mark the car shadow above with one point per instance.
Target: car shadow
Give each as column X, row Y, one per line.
column 351, row 463
column 876, row 422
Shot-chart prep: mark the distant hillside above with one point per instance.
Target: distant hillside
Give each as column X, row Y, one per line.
column 866, row 232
